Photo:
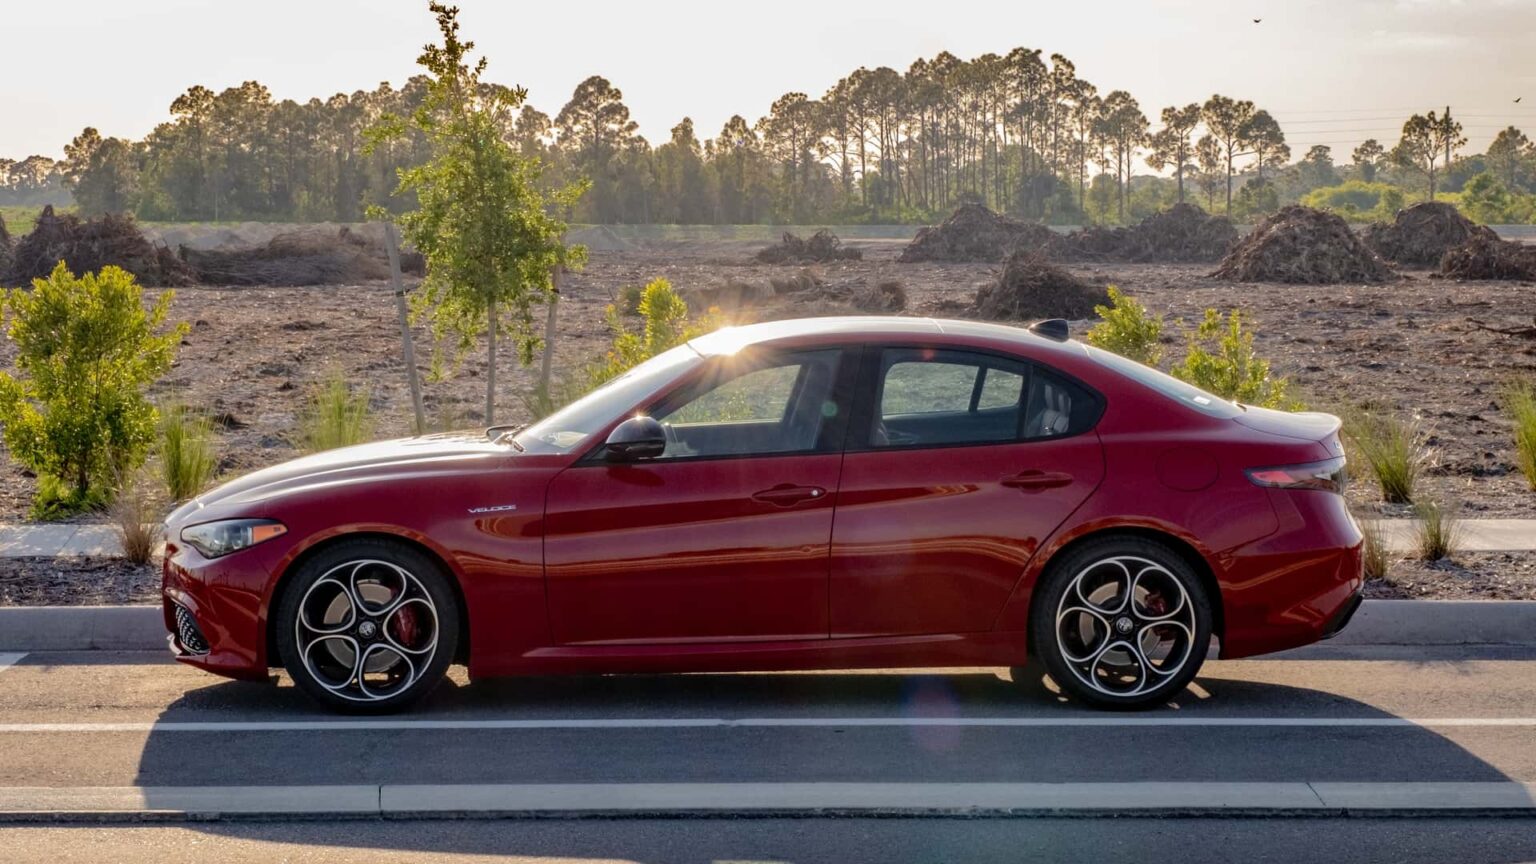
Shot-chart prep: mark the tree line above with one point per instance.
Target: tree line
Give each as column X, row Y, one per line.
column 1021, row 132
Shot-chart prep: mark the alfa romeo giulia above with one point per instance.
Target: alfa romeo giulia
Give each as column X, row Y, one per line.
column 812, row 494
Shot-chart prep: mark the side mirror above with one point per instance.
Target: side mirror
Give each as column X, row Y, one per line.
column 634, row 439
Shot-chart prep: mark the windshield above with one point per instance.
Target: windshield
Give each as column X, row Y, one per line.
column 566, row 429
column 1173, row 388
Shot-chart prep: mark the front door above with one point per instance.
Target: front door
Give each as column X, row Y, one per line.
column 723, row 537
column 958, row 465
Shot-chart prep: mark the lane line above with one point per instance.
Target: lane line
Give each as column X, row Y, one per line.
column 21, row 803
column 9, row 660
column 1069, row 721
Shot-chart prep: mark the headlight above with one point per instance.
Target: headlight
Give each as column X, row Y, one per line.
column 216, row 539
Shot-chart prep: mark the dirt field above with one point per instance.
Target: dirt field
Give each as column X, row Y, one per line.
column 253, row 353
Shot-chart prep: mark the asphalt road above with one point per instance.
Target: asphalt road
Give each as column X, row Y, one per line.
column 1327, row 720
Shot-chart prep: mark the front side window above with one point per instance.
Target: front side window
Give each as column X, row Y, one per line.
column 564, row 430
column 748, row 405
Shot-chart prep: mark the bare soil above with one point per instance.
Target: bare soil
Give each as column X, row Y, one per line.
column 77, row 582
column 254, row 353
column 1466, row 576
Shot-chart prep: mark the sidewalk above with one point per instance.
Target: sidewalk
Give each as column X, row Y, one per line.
column 71, row 541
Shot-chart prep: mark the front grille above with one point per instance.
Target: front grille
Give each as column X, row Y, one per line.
column 188, row 634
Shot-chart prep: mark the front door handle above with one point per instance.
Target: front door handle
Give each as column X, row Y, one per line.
column 786, row 494
column 1030, row 481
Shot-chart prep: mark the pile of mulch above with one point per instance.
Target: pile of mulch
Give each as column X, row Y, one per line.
column 1303, row 246
column 1182, row 234
column 297, row 259
column 86, row 246
column 1031, row 288
column 823, row 246
column 1421, row 235
column 974, row 233
column 77, row 582
column 1488, row 257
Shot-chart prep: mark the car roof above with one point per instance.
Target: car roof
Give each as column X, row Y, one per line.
column 871, row 328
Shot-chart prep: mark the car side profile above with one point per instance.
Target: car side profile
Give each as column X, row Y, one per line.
column 811, row 494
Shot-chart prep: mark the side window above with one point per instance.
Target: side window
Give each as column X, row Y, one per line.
column 933, row 398
column 1057, row 407
column 754, row 405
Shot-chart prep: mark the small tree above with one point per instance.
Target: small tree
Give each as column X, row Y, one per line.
column 75, row 412
column 1233, row 370
column 1127, row 329
column 666, row 325
column 483, row 223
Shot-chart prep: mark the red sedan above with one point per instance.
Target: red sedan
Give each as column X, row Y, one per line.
column 813, row 494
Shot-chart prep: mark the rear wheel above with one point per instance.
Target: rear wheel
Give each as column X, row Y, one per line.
column 368, row 626
column 1122, row 622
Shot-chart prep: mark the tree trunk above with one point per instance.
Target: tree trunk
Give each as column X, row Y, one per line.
column 490, row 369
column 408, row 348
column 546, row 364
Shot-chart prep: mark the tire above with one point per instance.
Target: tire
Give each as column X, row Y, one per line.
column 1121, row 623
column 370, row 605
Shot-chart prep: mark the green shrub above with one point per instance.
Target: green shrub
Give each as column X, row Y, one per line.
column 629, row 299
column 187, row 459
column 336, row 417
column 1520, row 404
column 1439, row 531
column 1127, row 329
column 1233, row 370
column 665, row 325
column 1393, row 449
column 75, row 412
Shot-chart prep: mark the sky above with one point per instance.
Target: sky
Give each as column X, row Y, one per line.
column 1331, row 72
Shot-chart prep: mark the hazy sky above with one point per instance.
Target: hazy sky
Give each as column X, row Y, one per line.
column 1331, row 72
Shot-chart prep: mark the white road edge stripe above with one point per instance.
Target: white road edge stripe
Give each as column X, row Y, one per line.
column 777, row 797
column 9, row 659
column 1064, row 721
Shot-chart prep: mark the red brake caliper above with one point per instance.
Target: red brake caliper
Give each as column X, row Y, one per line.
column 405, row 626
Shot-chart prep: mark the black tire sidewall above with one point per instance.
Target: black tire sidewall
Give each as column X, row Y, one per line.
column 1054, row 583
column 427, row 570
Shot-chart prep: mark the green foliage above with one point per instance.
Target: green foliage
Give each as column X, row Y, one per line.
column 1375, row 558
column 1257, row 199
column 1358, row 201
column 1233, row 370
column 1393, row 449
column 1127, row 329
column 665, row 324
column 1519, row 402
column 336, row 417
column 75, row 411
column 187, row 459
column 1439, row 531
column 482, row 219
column 629, row 299
column 1485, row 199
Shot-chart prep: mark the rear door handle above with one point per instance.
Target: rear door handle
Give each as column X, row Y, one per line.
column 786, row 494
column 1030, row 481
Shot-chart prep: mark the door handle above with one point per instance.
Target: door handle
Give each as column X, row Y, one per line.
column 1030, row 481
column 786, row 494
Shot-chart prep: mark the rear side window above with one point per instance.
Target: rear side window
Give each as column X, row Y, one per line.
column 1171, row 387
column 929, row 398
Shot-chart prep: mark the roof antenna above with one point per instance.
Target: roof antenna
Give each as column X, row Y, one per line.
column 1054, row 329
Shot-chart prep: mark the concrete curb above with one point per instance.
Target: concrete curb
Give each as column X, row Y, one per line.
column 1379, row 622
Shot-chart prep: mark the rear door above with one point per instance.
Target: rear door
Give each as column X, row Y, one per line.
column 958, row 464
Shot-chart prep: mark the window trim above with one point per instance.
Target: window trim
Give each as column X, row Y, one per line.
column 870, row 384
column 828, row 441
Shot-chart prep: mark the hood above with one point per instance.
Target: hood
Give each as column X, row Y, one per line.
column 365, row 463
column 1305, row 425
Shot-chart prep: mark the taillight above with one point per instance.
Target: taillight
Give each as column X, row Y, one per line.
column 1327, row 476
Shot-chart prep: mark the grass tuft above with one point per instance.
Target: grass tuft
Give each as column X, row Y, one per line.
column 1393, row 449
column 1375, row 557
column 336, row 417
column 134, row 513
column 1439, row 530
column 1519, row 403
column 187, row 460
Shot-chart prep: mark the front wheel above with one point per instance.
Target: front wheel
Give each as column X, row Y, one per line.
column 1121, row 623
column 368, row 626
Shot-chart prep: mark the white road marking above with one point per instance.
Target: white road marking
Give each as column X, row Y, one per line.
column 1066, row 721
column 10, row 660
column 967, row 798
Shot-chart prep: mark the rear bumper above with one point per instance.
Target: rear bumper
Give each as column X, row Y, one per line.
column 1342, row 619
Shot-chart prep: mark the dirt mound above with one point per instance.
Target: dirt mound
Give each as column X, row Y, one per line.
column 1422, row 234
column 1182, row 234
column 298, row 258
column 86, row 246
column 1304, row 246
column 1485, row 256
column 974, row 233
column 1031, row 287
column 823, row 246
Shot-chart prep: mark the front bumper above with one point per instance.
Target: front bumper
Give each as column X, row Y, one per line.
column 220, row 602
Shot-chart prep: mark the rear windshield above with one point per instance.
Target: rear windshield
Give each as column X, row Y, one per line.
column 1173, row 388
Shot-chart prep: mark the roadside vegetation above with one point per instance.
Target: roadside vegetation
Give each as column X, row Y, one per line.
column 1375, row 558
column 1391, row 447
column 1439, row 530
column 187, row 457
column 336, row 416
column 1519, row 402
column 136, row 514
column 1126, row 328
column 74, row 410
